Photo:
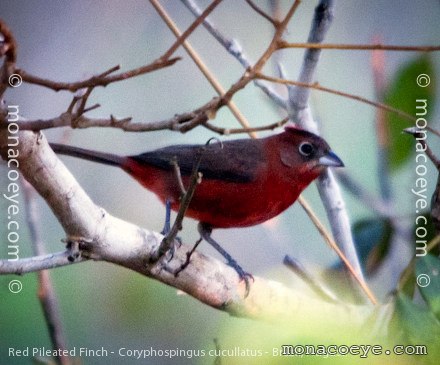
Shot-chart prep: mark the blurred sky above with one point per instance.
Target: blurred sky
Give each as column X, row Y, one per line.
column 72, row 40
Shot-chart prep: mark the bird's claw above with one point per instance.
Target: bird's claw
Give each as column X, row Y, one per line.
column 243, row 275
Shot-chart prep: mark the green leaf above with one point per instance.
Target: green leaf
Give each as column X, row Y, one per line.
column 403, row 94
column 419, row 325
column 428, row 274
column 372, row 237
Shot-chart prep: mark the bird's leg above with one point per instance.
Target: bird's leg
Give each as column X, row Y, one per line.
column 168, row 244
column 205, row 233
column 167, row 226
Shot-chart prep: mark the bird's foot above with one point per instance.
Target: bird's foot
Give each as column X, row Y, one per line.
column 243, row 275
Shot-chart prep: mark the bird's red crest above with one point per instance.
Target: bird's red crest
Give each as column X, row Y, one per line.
column 292, row 127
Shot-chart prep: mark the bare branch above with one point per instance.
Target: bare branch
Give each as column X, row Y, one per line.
column 360, row 47
column 233, row 47
column 300, row 112
column 178, row 122
column 97, row 80
column 262, row 13
column 334, row 246
column 183, row 36
column 229, row 131
column 195, row 179
column 307, row 277
column 317, row 86
column 377, row 205
column 37, row 263
column 383, row 140
column 46, row 292
column 104, row 79
column 417, row 134
column 200, row 64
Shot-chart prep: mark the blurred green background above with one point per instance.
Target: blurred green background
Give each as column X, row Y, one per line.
column 104, row 305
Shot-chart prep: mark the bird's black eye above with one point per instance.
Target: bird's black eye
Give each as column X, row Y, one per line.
column 306, row 149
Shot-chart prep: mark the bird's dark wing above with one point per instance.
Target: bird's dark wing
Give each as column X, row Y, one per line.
column 234, row 161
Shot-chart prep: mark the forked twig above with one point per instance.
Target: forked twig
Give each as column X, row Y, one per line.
column 195, row 178
column 200, row 64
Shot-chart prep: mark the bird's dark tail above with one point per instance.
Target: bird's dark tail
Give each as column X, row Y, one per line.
column 101, row 157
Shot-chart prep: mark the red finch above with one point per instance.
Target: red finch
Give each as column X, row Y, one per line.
column 245, row 181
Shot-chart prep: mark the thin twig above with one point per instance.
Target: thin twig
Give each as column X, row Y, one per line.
column 383, row 140
column 359, row 47
column 69, row 118
column 178, row 175
column 370, row 201
column 327, row 237
column 416, row 133
column 183, row 36
column 307, row 277
column 101, row 80
column 195, row 178
column 200, row 64
column 317, row 86
column 251, row 73
column 229, row 131
column 94, row 80
column 218, row 358
column 46, row 292
column 231, row 45
column 234, row 48
column 262, row 13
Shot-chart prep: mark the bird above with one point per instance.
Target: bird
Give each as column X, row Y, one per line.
column 245, row 182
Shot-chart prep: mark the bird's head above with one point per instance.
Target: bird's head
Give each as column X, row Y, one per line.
column 300, row 148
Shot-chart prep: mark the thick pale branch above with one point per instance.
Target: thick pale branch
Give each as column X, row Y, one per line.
column 114, row 240
column 300, row 112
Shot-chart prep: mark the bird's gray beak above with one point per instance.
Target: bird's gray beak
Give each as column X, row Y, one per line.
column 331, row 159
